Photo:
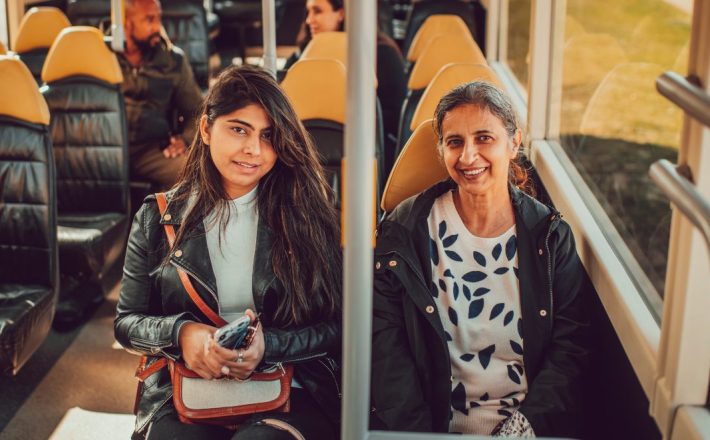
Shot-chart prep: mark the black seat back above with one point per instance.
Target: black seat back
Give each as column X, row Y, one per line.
column 471, row 11
column 83, row 78
column 185, row 22
column 88, row 12
column 29, row 277
column 27, row 193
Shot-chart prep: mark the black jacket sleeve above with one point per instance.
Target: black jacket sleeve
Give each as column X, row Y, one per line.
column 135, row 327
column 305, row 343
column 397, row 395
column 553, row 402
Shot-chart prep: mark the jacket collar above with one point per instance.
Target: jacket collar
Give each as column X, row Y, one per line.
column 532, row 213
column 195, row 255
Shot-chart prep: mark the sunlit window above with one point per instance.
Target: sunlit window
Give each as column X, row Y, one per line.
column 613, row 122
column 518, row 58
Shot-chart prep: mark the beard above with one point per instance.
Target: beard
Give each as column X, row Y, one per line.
column 147, row 46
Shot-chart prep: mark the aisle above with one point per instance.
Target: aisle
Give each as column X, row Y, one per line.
column 92, row 374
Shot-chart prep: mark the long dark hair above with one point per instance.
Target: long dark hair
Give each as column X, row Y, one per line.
column 293, row 198
column 487, row 96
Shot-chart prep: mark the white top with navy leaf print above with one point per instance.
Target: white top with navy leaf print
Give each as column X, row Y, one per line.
column 475, row 287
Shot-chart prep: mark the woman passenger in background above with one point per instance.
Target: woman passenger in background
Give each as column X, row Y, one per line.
column 479, row 319
column 256, row 230
column 329, row 16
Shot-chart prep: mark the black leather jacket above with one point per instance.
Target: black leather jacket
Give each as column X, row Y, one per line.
column 153, row 302
column 411, row 370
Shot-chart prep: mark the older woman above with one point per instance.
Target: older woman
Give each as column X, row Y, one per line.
column 478, row 312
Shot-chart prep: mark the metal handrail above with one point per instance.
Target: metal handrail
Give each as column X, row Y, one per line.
column 686, row 95
column 118, row 37
column 268, row 19
column 360, row 17
column 683, row 194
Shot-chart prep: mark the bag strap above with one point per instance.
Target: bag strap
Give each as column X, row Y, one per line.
column 184, row 278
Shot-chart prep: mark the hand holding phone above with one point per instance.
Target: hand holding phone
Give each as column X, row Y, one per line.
column 236, row 334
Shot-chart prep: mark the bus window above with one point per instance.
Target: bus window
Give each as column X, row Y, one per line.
column 518, row 36
column 614, row 124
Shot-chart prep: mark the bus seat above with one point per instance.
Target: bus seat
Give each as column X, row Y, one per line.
column 440, row 51
column 185, row 22
column 435, row 25
column 317, row 90
column 416, row 169
column 589, row 57
column 653, row 120
column 448, row 77
column 470, row 11
column 83, row 90
column 327, row 45
column 88, row 12
column 29, row 279
column 38, row 29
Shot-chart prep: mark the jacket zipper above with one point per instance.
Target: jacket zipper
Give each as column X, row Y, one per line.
column 202, row 283
column 146, row 345
column 549, row 263
column 332, row 374
column 304, row 358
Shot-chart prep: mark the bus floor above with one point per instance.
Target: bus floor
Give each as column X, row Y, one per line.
column 78, row 385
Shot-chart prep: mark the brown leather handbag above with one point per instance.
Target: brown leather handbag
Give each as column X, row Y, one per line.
column 222, row 401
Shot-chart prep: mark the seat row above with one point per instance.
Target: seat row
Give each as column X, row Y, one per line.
column 185, row 23
column 63, row 187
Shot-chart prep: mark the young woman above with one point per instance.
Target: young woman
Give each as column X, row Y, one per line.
column 479, row 317
column 329, row 16
column 256, row 229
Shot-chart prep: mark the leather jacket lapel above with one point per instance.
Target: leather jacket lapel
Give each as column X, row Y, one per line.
column 263, row 274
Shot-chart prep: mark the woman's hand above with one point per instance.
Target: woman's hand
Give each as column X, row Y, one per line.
column 244, row 361
column 195, row 340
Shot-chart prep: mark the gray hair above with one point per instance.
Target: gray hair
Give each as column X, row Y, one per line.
column 482, row 94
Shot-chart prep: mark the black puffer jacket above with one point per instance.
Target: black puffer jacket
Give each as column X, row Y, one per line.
column 411, row 371
column 153, row 301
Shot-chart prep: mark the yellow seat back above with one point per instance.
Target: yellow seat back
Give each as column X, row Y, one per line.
column 329, row 46
column 19, row 95
column 417, row 168
column 448, row 77
column 81, row 51
column 434, row 25
column 440, row 51
column 39, row 28
column 316, row 89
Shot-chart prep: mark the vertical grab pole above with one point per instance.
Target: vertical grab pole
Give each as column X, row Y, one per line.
column 268, row 20
column 118, row 38
column 359, row 156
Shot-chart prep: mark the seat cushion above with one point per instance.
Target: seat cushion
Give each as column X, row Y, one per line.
column 26, row 313
column 90, row 243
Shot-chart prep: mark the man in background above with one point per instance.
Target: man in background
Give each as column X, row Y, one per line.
column 159, row 91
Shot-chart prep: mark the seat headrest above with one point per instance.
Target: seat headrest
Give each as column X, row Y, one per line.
column 442, row 50
column 19, row 95
column 448, row 77
column 316, row 89
column 39, row 27
column 81, row 51
column 436, row 25
column 417, row 168
column 329, row 46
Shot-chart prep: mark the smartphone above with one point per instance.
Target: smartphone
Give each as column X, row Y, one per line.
column 234, row 334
